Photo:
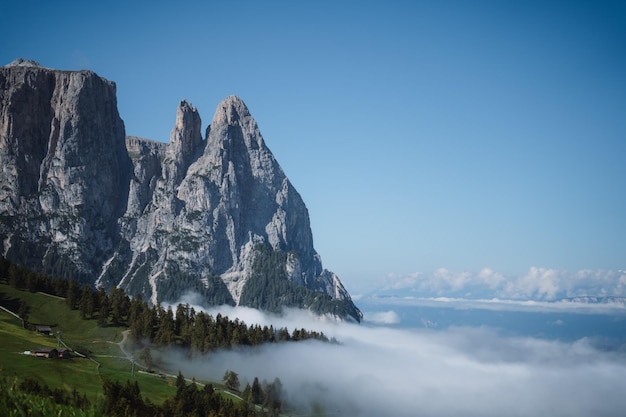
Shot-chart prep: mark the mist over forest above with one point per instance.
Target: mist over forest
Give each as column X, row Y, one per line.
column 406, row 371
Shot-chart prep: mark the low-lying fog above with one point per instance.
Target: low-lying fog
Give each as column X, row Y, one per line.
column 459, row 371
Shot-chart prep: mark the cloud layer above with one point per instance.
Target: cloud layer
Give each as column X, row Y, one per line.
column 407, row 372
column 538, row 284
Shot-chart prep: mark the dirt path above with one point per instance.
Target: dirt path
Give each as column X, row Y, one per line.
column 11, row 313
column 51, row 295
column 122, row 345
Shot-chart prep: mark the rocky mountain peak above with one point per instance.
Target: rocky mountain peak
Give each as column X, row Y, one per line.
column 234, row 129
column 230, row 111
column 185, row 139
column 216, row 216
column 21, row 62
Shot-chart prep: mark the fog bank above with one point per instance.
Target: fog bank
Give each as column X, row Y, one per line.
column 377, row 370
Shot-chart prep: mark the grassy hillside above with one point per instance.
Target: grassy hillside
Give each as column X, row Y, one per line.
column 85, row 375
column 104, row 364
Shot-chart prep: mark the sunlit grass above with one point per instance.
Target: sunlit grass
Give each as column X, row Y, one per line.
column 84, row 375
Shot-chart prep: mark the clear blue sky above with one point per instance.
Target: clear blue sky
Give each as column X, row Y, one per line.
column 421, row 135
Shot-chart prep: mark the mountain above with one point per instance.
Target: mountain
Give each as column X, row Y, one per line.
column 215, row 216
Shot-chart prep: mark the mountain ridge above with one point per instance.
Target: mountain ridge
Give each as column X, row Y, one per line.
column 148, row 216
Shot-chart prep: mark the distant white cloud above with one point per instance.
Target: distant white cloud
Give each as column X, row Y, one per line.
column 379, row 371
column 537, row 284
column 383, row 317
column 400, row 282
column 496, row 304
column 490, row 278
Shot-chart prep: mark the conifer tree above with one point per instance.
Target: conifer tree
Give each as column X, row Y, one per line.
column 73, row 294
column 87, row 303
column 256, row 392
column 103, row 312
column 231, row 380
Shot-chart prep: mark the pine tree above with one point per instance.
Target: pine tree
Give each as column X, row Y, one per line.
column 180, row 383
column 165, row 333
column 103, row 312
column 73, row 294
column 199, row 332
column 256, row 392
column 86, row 304
column 273, row 396
column 246, row 394
column 120, row 305
column 283, row 335
column 231, row 380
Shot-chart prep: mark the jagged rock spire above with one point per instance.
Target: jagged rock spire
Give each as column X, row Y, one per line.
column 185, row 139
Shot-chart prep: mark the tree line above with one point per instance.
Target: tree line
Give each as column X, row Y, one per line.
column 192, row 399
column 29, row 397
column 196, row 330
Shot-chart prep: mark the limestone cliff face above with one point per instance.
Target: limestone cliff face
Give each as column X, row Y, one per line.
column 80, row 199
column 64, row 167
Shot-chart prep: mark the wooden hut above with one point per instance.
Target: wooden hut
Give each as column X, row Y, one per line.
column 47, row 330
column 50, row 353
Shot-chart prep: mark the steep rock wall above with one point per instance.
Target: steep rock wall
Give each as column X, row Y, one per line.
column 79, row 199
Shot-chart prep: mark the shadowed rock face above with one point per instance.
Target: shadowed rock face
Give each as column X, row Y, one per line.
column 78, row 199
column 64, row 168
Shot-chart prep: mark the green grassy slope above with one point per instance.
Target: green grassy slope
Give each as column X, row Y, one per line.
column 106, row 360
column 85, row 336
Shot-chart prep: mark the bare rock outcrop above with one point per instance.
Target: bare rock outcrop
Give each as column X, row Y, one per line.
column 64, row 168
column 79, row 199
